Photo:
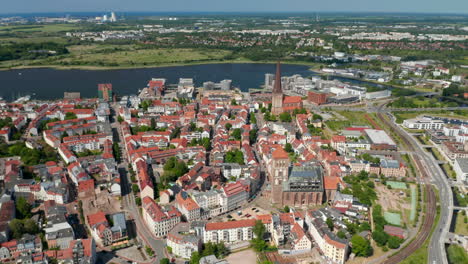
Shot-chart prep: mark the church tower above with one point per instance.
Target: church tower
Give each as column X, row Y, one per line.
column 277, row 97
column 280, row 173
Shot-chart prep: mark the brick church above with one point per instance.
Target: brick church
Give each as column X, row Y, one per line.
column 298, row 186
column 280, row 103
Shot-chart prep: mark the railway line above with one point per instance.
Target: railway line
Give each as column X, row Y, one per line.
column 430, row 201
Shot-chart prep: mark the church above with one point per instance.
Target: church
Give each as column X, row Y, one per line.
column 280, row 103
column 297, row 186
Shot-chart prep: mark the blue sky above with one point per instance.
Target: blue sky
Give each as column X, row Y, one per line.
column 423, row 6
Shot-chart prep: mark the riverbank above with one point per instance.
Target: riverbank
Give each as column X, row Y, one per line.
column 196, row 63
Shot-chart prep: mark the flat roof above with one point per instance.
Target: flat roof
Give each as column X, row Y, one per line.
column 379, row 137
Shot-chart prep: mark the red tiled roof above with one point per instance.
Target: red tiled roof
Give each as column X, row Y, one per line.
column 279, row 153
column 331, row 182
column 334, row 243
column 230, row 224
column 96, row 218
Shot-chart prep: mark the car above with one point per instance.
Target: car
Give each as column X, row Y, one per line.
column 247, row 215
column 229, row 216
column 257, row 211
column 253, row 209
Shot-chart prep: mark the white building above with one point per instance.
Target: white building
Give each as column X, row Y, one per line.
column 229, row 232
column 423, row 123
column 160, row 221
column 182, row 241
column 460, row 166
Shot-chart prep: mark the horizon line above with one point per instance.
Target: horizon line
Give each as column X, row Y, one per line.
column 241, row 12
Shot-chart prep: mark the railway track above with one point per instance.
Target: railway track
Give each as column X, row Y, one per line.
column 431, row 203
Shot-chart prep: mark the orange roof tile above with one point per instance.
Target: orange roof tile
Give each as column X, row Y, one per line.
column 230, row 224
column 279, row 153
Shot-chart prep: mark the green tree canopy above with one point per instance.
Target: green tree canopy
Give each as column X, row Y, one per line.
column 361, row 246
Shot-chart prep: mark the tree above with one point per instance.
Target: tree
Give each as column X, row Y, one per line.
column 153, row 124
column 288, row 147
column 317, row 117
column 380, row 237
column 228, row 126
column 286, row 209
column 237, row 134
column 394, row 242
column 364, row 226
column 253, row 135
column 195, row 258
column 233, row 102
column 285, row 117
column 253, row 119
column 23, row 208
column 135, row 188
column 341, row 234
column 330, row 223
column 164, row 261
column 138, row 201
column 361, row 246
column 116, row 150
column 234, row 156
column 259, row 229
column 17, row 228
column 70, row 115
column 120, row 119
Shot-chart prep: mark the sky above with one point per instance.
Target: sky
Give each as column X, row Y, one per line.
column 418, row 6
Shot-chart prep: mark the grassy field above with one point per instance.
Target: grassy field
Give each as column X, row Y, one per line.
column 401, row 116
column 353, row 119
column 461, row 227
column 52, row 28
column 457, row 254
column 121, row 56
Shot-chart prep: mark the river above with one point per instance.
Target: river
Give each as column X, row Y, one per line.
column 48, row 83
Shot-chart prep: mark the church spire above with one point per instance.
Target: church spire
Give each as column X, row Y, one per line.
column 277, row 88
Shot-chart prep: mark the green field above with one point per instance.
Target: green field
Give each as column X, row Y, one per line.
column 352, row 119
column 461, row 227
column 125, row 56
column 52, row 28
column 457, row 254
column 397, row 185
column 393, row 218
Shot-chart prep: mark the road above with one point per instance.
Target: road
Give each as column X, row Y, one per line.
column 432, row 173
column 437, row 253
column 144, row 235
column 371, row 108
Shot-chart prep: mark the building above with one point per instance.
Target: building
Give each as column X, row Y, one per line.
column 103, row 232
column 229, row 232
column 300, row 241
column 105, row 91
column 182, row 241
column 395, row 231
column 380, row 140
column 187, row 206
column 423, row 123
column 234, row 196
column 277, row 94
column 392, row 168
column 317, row 97
column 296, row 185
column 460, row 167
column 333, row 248
column 160, row 220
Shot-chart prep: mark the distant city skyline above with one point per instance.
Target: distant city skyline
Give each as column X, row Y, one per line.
column 395, row 6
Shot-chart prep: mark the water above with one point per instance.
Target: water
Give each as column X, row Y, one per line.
column 51, row 83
